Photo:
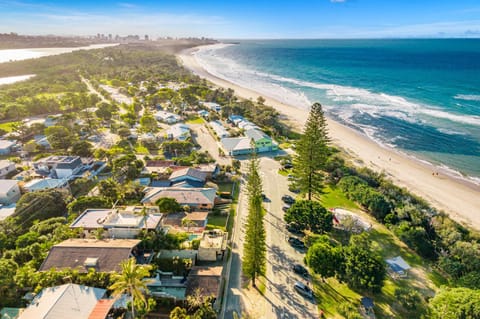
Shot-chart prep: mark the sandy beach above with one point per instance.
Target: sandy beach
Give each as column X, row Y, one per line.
column 455, row 196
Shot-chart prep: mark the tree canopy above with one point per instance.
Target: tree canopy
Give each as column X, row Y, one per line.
column 254, row 250
column 312, row 153
column 310, row 215
column 168, row 205
column 456, row 303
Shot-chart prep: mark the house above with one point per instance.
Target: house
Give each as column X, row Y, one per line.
column 120, row 223
column 263, row 142
column 235, row 119
column 159, row 166
column 246, row 125
column 234, row 146
column 66, row 301
column 211, row 170
column 219, row 130
column 198, row 220
column 166, row 117
column 203, row 113
column 101, row 255
column 6, row 147
column 52, row 120
column 59, row 166
column 6, row 167
column 147, row 137
column 212, row 245
column 207, row 280
column 212, row 106
column 191, row 176
column 179, row 132
column 397, row 266
column 202, row 199
column 42, row 141
column 9, row 191
column 45, row 183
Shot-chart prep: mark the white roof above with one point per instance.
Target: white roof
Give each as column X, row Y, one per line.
column 165, row 115
column 398, row 262
column 45, row 183
column 6, row 144
column 66, row 301
column 6, row 184
column 5, row 163
column 178, row 130
column 7, row 210
column 219, row 128
column 236, row 143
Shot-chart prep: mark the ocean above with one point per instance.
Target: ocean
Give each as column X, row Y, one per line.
column 419, row 96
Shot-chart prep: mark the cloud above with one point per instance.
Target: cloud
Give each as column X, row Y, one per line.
column 338, row 1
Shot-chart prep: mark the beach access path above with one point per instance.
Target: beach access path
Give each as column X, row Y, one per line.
column 455, row 196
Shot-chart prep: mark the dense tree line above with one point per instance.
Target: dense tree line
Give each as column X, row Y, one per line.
column 433, row 235
column 357, row 264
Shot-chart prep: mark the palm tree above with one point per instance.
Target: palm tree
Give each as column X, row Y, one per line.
column 130, row 281
column 186, row 222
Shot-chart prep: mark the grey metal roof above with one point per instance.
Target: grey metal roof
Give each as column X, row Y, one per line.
column 256, row 135
column 66, row 301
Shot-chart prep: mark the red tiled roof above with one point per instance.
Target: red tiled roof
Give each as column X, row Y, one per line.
column 101, row 309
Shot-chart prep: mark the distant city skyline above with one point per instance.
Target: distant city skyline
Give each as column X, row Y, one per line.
column 245, row 19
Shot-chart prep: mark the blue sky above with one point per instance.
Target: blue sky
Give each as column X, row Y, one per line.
column 245, row 19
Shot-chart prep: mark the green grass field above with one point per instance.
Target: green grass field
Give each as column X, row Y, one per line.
column 334, row 197
column 196, row 120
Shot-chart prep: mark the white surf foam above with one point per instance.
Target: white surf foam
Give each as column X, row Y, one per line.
column 467, row 97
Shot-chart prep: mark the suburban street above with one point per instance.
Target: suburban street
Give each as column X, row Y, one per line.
column 283, row 300
column 280, row 300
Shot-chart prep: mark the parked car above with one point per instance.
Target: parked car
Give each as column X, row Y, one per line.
column 285, row 208
column 303, row 289
column 296, row 243
column 287, row 199
column 300, row 270
column 287, row 165
column 295, row 229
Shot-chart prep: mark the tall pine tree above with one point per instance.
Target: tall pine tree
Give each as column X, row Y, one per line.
column 312, row 153
column 254, row 249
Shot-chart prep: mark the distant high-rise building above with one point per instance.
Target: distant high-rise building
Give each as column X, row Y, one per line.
column 146, row 37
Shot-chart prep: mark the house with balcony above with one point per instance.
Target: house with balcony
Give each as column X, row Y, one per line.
column 61, row 167
column 120, row 223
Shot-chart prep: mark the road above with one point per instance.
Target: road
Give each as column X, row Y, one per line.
column 283, row 300
column 280, row 300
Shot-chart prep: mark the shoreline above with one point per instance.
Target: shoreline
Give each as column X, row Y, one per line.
column 455, row 196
